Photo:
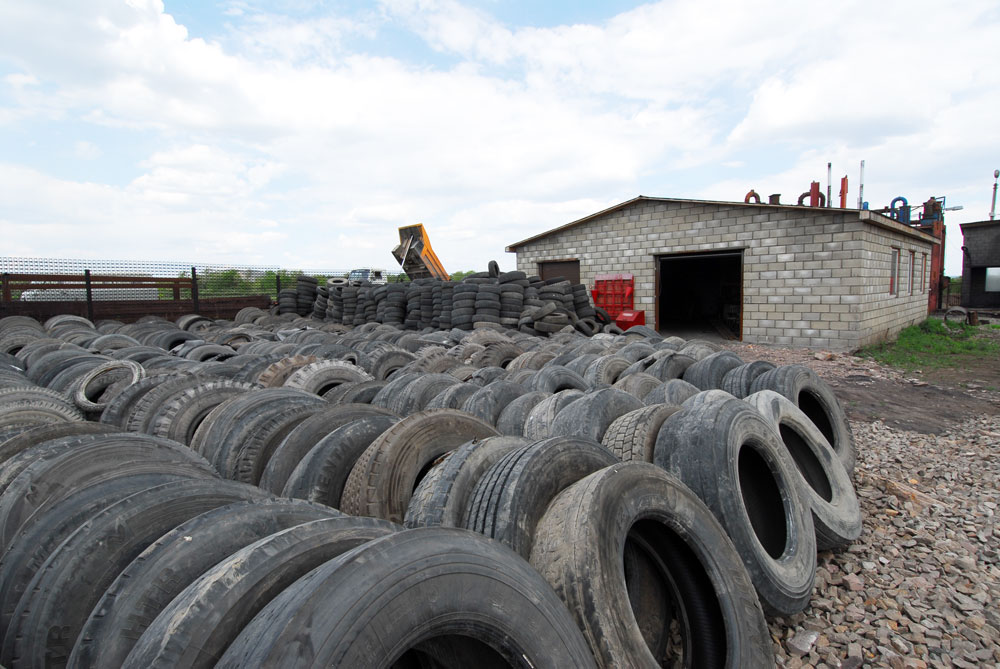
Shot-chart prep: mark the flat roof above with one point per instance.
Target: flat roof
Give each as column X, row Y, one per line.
column 863, row 214
column 979, row 224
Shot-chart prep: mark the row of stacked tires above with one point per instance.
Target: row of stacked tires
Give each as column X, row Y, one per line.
column 507, row 300
column 257, row 493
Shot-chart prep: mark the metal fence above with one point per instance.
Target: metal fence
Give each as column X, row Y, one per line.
column 131, row 288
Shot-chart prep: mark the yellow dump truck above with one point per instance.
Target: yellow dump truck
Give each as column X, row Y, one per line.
column 416, row 256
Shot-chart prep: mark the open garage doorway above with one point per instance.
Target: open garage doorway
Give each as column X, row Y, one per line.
column 700, row 295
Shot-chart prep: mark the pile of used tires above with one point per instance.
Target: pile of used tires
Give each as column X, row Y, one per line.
column 261, row 493
column 491, row 299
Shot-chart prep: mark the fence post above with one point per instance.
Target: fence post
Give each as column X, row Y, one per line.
column 277, row 286
column 90, row 297
column 194, row 289
column 6, row 287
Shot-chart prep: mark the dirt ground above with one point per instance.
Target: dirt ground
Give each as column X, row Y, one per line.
column 927, row 401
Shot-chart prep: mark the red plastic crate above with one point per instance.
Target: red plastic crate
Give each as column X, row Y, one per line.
column 613, row 292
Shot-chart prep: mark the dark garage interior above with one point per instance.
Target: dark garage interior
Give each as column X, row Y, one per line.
column 700, row 294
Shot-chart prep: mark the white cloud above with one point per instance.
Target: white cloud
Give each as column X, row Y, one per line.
column 281, row 137
column 87, row 150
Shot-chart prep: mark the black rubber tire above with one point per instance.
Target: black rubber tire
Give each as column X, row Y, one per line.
column 323, row 375
column 27, row 407
column 173, row 562
column 42, row 433
column 823, row 480
column 119, row 407
column 591, row 415
column 632, row 436
column 197, row 626
column 491, row 399
column 427, row 597
column 35, row 540
column 639, row 384
column 74, row 577
column 418, row 393
column 708, row 372
column 635, row 351
column 306, row 435
column 322, row 472
column 386, row 397
column 494, row 269
column 443, row 495
column 738, row 380
column 244, row 451
column 674, row 391
column 510, row 498
column 87, row 394
column 513, row 416
column 178, row 415
column 538, row 424
column 553, row 378
column 145, row 409
column 453, row 397
column 355, row 393
column 816, row 399
column 670, row 366
column 387, row 362
column 65, row 464
column 384, row 477
column 230, row 424
column 735, row 462
column 275, row 374
column 605, row 369
column 580, row 550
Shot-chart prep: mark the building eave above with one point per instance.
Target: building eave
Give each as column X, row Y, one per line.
column 865, row 215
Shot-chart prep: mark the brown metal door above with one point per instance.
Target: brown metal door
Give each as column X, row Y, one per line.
column 567, row 269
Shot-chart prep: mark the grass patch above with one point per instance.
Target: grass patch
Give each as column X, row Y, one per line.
column 931, row 344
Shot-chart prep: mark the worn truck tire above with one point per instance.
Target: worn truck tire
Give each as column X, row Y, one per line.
column 591, row 415
column 173, row 562
column 823, row 480
column 384, row 477
column 443, row 495
column 738, row 380
column 579, row 551
column 197, row 626
column 512, row 495
column 426, row 597
column 734, row 461
column 74, row 577
column 322, row 472
column 632, row 436
column 538, row 424
column 816, row 399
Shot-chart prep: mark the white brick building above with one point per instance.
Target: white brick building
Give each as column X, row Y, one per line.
column 792, row 275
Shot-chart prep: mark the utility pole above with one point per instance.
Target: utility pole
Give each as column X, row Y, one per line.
column 861, row 187
column 993, row 207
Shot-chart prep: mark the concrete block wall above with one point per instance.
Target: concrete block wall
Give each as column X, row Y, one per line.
column 803, row 270
column 884, row 314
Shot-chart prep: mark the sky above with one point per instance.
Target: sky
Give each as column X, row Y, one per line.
column 303, row 133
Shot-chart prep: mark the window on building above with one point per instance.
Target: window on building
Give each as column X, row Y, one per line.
column 993, row 279
column 923, row 274
column 913, row 267
column 894, row 272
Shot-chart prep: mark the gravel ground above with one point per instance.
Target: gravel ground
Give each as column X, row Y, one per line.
column 921, row 586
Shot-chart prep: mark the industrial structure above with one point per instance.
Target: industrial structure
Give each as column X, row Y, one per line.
column 800, row 275
column 981, row 265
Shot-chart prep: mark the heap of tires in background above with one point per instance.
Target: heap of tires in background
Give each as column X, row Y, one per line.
column 265, row 492
column 503, row 300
